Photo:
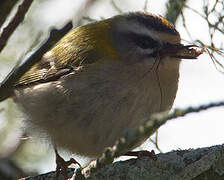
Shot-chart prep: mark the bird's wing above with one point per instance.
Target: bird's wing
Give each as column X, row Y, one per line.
column 60, row 60
column 82, row 46
column 43, row 71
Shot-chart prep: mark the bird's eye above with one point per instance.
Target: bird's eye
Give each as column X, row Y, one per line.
column 144, row 42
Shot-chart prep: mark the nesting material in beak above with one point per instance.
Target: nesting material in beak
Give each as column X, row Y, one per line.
column 181, row 51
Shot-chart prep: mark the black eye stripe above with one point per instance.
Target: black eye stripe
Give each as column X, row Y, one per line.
column 146, row 42
column 143, row 41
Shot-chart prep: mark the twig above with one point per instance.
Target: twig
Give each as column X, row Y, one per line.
column 116, row 7
column 174, row 8
column 155, row 142
column 215, row 26
column 145, row 8
column 195, row 11
column 89, row 19
column 17, row 19
column 6, row 87
column 6, row 7
column 185, row 26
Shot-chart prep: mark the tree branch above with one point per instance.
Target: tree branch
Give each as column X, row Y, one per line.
column 201, row 163
column 16, row 20
column 174, row 9
column 6, row 7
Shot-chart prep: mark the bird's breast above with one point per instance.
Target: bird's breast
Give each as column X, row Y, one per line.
column 87, row 111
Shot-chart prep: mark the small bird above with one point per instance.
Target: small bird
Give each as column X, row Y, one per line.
column 102, row 79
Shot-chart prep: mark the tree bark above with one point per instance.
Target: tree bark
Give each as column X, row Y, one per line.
column 202, row 163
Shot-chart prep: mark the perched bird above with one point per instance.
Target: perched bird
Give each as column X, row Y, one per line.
column 102, row 79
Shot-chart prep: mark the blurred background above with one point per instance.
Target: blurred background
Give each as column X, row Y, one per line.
column 200, row 80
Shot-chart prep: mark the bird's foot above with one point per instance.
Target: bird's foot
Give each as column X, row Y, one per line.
column 62, row 165
column 151, row 154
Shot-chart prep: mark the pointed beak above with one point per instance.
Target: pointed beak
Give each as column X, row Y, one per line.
column 181, row 51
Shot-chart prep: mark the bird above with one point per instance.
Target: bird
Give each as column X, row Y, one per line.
column 102, row 79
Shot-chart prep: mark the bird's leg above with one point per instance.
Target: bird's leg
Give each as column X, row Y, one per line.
column 62, row 165
column 151, row 154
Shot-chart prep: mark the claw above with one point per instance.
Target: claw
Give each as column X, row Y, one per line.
column 151, row 154
column 63, row 165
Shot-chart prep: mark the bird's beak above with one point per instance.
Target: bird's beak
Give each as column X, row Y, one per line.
column 181, row 51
